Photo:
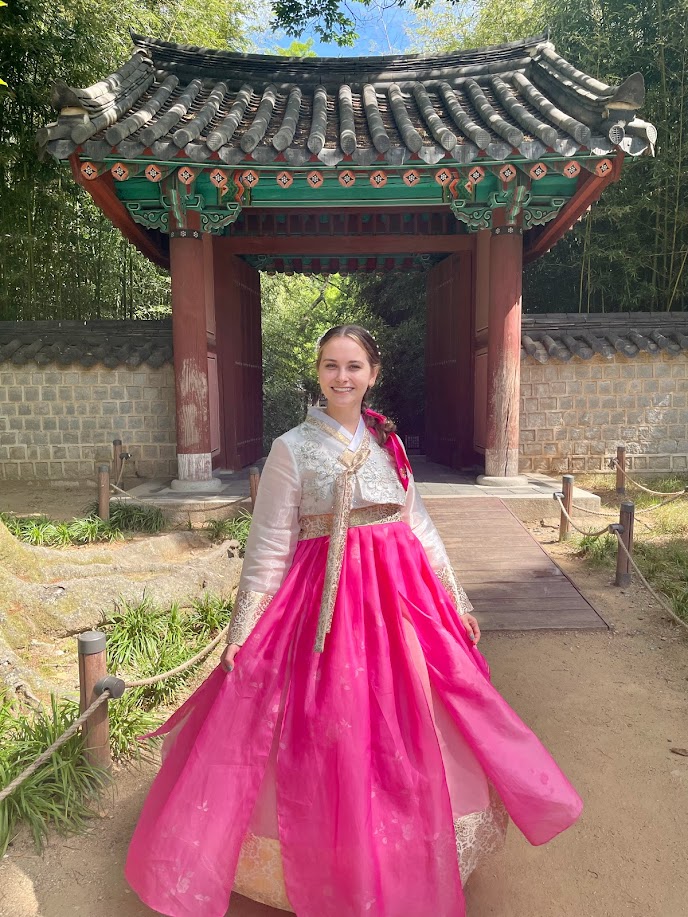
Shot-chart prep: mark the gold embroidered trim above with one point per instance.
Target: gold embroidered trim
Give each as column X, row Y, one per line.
column 248, row 607
column 480, row 834
column 320, row 526
column 326, row 428
column 458, row 594
column 341, row 510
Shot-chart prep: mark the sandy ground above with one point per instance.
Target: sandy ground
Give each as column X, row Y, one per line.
column 63, row 500
column 610, row 706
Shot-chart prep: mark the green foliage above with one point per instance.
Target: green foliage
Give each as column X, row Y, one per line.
column 44, row 532
column 631, row 251
column 91, row 529
column 233, row 529
column 144, row 640
column 133, row 517
column 130, row 719
column 60, row 258
column 60, row 795
column 660, row 544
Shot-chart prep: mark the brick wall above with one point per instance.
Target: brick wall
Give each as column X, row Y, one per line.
column 58, row 423
column 573, row 415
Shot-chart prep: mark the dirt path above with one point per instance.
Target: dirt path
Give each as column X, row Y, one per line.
column 609, row 706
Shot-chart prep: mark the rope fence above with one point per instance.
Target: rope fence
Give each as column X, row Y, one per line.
column 92, row 663
column 57, row 744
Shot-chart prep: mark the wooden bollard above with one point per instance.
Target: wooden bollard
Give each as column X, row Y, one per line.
column 104, row 491
column 621, row 470
column 92, row 668
column 623, row 564
column 253, row 482
column 117, row 458
column 567, row 490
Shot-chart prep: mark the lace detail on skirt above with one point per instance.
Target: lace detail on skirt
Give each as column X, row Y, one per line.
column 480, row 834
column 260, row 874
column 461, row 601
column 248, row 607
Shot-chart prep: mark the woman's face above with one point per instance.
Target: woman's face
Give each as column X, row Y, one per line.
column 344, row 372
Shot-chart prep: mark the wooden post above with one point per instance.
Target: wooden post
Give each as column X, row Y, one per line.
column 104, row 491
column 190, row 343
column 626, row 522
column 117, row 458
column 620, row 469
column 567, row 489
column 92, row 667
column 504, row 354
column 253, row 482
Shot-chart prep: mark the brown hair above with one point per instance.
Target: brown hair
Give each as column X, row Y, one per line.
column 380, row 430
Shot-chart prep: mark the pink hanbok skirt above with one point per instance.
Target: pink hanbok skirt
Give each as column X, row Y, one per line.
column 365, row 780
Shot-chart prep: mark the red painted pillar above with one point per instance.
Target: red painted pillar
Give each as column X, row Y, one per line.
column 504, row 356
column 190, row 342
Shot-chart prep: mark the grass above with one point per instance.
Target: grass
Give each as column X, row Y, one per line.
column 61, row 794
column 234, row 529
column 91, row 529
column 43, row 532
column 660, row 546
column 143, row 640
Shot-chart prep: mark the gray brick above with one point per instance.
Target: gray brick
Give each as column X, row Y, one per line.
column 41, row 470
column 134, row 392
column 110, row 407
column 14, row 393
column 71, row 378
column 107, row 378
column 142, row 407
column 18, row 453
column 57, row 408
column 48, row 393
column 126, row 407
column 16, row 423
column 661, row 370
column 37, row 378
column 116, row 393
column 24, row 410
column 11, row 471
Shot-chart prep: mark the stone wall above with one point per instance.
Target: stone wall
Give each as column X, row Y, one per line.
column 58, row 423
column 575, row 414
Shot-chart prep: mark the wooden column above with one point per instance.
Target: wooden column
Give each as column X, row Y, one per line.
column 504, row 356
column 189, row 338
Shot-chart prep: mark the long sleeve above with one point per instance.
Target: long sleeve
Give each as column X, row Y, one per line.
column 416, row 515
column 271, row 541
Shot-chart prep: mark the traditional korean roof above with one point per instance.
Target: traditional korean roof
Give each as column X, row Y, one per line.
column 519, row 99
column 109, row 343
column 561, row 336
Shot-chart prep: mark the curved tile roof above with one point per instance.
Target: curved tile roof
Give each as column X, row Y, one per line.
column 517, row 99
column 561, row 336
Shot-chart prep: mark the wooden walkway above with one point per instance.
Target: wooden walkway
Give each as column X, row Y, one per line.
column 512, row 583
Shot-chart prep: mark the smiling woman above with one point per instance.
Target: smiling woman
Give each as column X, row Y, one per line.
column 350, row 755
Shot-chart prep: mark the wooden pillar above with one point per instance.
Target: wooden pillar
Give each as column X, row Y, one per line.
column 504, row 357
column 189, row 338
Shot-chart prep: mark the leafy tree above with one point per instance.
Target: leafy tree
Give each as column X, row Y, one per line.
column 631, row 252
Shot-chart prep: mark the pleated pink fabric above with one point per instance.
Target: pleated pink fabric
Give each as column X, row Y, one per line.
column 363, row 805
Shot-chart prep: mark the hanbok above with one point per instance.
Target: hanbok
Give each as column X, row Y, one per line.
column 357, row 760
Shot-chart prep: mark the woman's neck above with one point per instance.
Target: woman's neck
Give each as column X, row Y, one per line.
column 347, row 418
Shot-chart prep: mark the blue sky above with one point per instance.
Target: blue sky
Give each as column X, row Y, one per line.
column 382, row 31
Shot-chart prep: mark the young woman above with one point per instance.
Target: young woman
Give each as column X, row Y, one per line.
column 350, row 756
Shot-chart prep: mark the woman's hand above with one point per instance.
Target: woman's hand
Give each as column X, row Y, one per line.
column 472, row 628
column 228, row 656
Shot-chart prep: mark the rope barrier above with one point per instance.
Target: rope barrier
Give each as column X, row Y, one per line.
column 645, row 583
column 597, row 512
column 655, row 493
column 71, row 730
column 49, row 752
column 145, row 682
column 582, row 531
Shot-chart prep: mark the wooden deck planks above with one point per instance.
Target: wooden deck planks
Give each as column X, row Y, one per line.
column 511, row 581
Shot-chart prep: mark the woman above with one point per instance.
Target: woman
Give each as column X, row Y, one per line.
column 350, row 756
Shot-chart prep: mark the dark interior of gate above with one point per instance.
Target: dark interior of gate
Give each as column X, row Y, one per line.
column 220, row 165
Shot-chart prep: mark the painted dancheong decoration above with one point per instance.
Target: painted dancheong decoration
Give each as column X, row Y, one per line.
column 191, row 137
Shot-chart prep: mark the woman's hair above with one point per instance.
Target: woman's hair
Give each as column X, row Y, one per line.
column 380, row 430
